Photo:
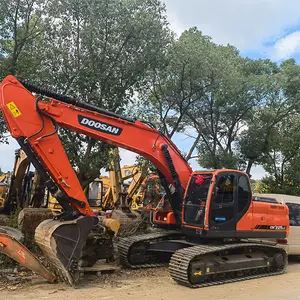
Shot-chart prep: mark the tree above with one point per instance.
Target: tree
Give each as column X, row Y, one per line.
column 280, row 103
column 283, row 157
column 177, row 95
column 239, row 88
column 20, row 26
column 183, row 80
column 207, row 92
column 99, row 51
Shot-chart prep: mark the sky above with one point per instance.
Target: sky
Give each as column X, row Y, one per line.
column 258, row 28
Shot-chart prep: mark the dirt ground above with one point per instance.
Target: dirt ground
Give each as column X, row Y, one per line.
column 156, row 284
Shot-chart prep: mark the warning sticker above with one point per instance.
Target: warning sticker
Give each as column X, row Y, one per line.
column 14, row 109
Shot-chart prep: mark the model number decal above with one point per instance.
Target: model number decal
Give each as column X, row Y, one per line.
column 99, row 126
column 274, row 227
column 270, row 227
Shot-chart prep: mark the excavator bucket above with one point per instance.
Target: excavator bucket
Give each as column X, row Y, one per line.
column 62, row 243
column 29, row 218
column 11, row 246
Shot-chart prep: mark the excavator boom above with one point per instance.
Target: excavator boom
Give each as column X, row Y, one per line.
column 34, row 122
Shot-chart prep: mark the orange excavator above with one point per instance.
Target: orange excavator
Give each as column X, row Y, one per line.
column 212, row 218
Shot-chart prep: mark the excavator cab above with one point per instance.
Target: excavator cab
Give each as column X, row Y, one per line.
column 219, row 205
column 220, row 197
column 210, row 196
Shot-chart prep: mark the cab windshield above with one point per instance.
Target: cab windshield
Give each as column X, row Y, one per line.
column 198, row 189
column 196, row 197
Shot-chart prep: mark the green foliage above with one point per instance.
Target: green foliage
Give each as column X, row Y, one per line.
column 279, row 105
column 281, row 158
column 260, row 186
column 216, row 160
column 98, row 51
column 208, row 92
column 145, row 164
column 121, row 55
column 173, row 90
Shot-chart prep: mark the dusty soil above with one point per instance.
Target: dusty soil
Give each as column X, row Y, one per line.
column 154, row 284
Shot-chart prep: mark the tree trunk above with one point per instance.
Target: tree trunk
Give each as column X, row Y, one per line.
column 249, row 166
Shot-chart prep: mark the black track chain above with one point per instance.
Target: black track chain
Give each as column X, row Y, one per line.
column 125, row 245
column 180, row 261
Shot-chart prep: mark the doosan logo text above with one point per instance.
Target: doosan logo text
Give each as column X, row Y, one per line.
column 99, row 126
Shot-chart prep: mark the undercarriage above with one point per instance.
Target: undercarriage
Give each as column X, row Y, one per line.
column 203, row 263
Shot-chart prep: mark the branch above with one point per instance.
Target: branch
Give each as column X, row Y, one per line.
column 194, row 156
column 189, row 155
column 115, row 60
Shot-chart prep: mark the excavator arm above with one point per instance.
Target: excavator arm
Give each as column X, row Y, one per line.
column 34, row 121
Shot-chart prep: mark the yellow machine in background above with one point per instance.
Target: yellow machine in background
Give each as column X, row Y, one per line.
column 5, row 177
column 122, row 192
column 94, row 192
column 134, row 191
column 4, row 188
column 110, row 192
column 119, row 193
column 104, row 194
column 13, row 189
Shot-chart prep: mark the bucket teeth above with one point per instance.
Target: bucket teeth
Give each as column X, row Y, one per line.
column 62, row 244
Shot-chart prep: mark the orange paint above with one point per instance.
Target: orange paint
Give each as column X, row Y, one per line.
column 135, row 136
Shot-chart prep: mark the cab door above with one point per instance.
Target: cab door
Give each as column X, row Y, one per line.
column 223, row 206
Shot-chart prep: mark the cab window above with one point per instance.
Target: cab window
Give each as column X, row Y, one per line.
column 243, row 193
column 225, row 189
column 294, row 213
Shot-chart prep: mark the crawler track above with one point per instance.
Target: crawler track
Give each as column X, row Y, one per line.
column 125, row 246
column 181, row 261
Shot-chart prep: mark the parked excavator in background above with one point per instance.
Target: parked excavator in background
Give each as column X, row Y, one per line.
column 29, row 188
column 150, row 192
column 107, row 192
column 212, row 213
column 4, row 188
column 16, row 184
column 5, row 177
column 23, row 187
